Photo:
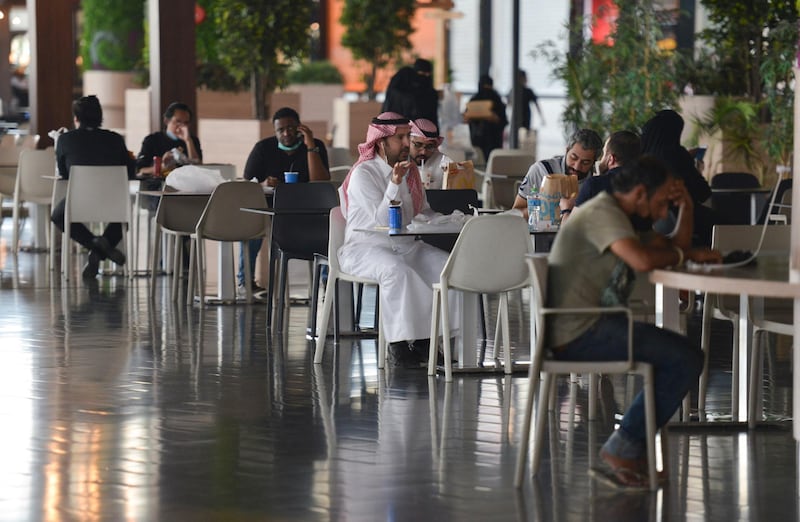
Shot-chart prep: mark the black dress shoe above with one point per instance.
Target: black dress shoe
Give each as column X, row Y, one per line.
column 106, row 251
column 92, row 266
column 421, row 350
column 402, row 355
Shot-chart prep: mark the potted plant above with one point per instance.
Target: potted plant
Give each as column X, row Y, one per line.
column 111, row 45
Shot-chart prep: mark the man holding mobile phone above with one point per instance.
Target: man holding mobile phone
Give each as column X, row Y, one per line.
column 292, row 149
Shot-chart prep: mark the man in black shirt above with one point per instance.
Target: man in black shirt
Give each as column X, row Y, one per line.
column 88, row 144
column 175, row 135
column 292, row 149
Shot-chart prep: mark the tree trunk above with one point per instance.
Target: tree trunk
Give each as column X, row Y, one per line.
column 371, row 95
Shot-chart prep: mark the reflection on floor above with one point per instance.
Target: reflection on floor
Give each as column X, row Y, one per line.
column 116, row 408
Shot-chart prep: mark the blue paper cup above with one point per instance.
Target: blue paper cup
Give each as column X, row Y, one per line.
column 291, row 177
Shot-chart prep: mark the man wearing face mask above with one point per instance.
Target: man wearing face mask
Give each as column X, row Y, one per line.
column 292, row 149
column 175, row 135
column 584, row 148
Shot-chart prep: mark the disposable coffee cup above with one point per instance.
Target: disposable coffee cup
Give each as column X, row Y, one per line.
column 291, row 177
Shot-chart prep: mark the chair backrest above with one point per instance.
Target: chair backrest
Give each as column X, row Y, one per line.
column 98, row 193
column 777, row 238
column 733, row 208
column 446, row 201
column 513, row 163
column 226, row 170
column 223, row 221
column 31, row 185
column 783, row 201
column 339, row 156
column 509, row 162
column 336, row 227
column 489, row 255
column 735, row 180
column 303, row 235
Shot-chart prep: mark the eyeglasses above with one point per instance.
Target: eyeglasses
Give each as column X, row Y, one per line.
column 430, row 147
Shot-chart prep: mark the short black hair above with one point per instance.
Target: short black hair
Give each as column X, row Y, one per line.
column 176, row 106
column 625, row 145
column 589, row 140
column 88, row 111
column 646, row 170
column 286, row 112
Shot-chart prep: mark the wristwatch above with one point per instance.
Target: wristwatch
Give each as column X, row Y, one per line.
column 314, row 149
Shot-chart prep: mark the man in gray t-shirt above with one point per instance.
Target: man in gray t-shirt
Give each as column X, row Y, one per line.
column 592, row 263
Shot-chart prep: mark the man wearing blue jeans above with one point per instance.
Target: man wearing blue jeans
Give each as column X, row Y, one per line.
column 592, row 263
column 292, row 149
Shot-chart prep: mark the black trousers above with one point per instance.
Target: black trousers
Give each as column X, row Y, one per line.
column 80, row 233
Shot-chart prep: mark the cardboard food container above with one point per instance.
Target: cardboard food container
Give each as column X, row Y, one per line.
column 459, row 175
column 479, row 110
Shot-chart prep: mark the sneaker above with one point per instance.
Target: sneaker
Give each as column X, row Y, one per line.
column 259, row 294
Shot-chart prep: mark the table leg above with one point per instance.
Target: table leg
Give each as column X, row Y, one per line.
column 667, row 312
column 466, row 343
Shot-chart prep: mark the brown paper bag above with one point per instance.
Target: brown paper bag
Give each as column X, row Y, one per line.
column 554, row 187
column 459, row 175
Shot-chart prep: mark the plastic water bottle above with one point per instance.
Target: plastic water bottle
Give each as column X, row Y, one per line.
column 534, row 210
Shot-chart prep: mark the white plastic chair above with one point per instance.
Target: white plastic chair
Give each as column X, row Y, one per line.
column 511, row 163
column 222, row 220
column 31, row 185
column 336, row 229
column 95, row 194
column 549, row 368
column 727, row 238
column 777, row 317
column 488, row 258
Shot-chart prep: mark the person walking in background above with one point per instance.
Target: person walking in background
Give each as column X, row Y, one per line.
column 486, row 130
column 528, row 97
column 88, row 144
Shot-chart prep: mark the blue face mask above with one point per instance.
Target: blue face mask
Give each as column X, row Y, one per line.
column 289, row 149
column 172, row 135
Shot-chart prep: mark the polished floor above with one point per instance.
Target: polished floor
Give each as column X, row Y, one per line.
column 114, row 408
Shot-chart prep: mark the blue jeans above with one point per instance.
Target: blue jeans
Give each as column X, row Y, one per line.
column 255, row 246
column 677, row 365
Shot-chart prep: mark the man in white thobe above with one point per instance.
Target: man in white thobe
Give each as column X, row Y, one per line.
column 424, row 152
column 404, row 268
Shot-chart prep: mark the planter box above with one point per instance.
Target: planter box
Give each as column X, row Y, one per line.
column 316, row 103
column 110, row 87
column 137, row 118
column 351, row 119
column 230, row 140
column 238, row 105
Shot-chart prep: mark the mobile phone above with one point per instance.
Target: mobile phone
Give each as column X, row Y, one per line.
column 700, row 154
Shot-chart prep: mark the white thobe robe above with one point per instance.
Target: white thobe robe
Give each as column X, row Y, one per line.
column 432, row 171
column 404, row 268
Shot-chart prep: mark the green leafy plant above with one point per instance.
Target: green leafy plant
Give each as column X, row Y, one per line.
column 737, row 120
column 377, row 33
column 618, row 84
column 257, row 40
column 112, row 36
column 320, row 71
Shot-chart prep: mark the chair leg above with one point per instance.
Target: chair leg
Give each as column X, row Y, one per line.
column 273, row 252
column 315, row 282
column 177, row 269
column 282, row 299
column 735, row 372
column 650, row 423
column 705, row 343
column 753, row 395
column 15, row 226
column 506, row 334
column 524, row 443
column 594, row 384
column 201, row 270
column 155, row 253
column 434, row 338
column 327, row 307
column 545, row 395
column 448, row 353
column 248, row 277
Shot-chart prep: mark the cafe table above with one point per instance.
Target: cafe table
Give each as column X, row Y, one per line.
column 769, row 276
